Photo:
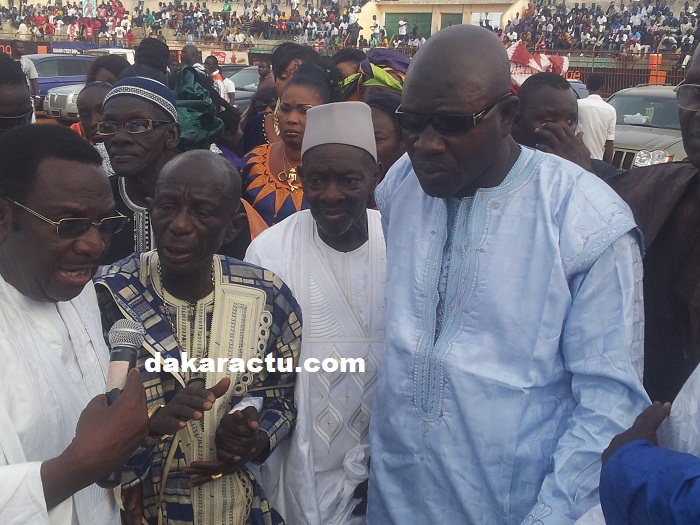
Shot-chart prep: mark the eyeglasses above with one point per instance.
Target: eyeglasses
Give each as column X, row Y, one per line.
column 688, row 96
column 139, row 125
column 74, row 227
column 7, row 123
column 445, row 124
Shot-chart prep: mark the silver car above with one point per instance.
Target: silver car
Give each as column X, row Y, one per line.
column 648, row 130
column 61, row 103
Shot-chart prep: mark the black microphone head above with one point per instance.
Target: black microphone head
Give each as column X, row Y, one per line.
column 126, row 332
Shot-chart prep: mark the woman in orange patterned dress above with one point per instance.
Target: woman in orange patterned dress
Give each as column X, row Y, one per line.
column 271, row 183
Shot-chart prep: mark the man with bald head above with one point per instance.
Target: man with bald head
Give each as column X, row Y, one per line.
column 514, row 314
column 199, row 308
column 190, row 56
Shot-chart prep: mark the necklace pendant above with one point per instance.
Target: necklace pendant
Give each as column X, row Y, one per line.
column 282, row 176
column 292, row 175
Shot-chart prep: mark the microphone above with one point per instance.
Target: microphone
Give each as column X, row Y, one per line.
column 125, row 339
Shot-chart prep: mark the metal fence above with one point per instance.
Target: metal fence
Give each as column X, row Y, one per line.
column 621, row 72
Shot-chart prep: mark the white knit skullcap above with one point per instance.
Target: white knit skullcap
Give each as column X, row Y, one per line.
column 340, row 123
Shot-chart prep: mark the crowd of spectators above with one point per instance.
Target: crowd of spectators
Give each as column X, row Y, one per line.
column 325, row 23
column 631, row 29
column 72, row 22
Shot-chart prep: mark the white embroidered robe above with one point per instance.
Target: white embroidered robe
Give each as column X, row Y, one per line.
column 53, row 361
column 311, row 479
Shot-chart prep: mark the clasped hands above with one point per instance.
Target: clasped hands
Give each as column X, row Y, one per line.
column 238, row 438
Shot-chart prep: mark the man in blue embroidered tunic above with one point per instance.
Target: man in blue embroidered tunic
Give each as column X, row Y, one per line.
column 211, row 308
column 514, row 310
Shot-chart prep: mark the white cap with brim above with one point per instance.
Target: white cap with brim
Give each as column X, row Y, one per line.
column 340, row 123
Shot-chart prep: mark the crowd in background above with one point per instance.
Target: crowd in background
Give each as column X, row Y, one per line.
column 632, row 28
column 223, row 23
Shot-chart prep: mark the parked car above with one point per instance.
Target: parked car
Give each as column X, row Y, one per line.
column 56, row 70
column 648, row 130
column 61, row 103
column 246, row 82
column 229, row 69
column 579, row 88
column 128, row 54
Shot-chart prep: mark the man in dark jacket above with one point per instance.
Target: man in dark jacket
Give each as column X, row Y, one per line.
column 666, row 205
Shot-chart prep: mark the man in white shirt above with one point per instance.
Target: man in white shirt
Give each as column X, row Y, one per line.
column 332, row 257
column 602, row 20
column 17, row 52
column 596, row 118
column 375, row 31
column 224, row 86
column 402, row 29
column 58, row 435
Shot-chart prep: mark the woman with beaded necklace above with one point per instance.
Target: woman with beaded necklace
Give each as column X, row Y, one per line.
column 270, row 180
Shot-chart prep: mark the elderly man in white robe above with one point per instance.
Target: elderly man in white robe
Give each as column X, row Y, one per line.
column 57, row 434
column 332, row 256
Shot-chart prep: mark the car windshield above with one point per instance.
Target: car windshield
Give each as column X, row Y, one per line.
column 246, row 79
column 636, row 109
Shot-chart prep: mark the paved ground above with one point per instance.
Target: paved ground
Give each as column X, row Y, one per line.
column 43, row 119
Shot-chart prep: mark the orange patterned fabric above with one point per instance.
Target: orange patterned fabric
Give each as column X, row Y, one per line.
column 273, row 199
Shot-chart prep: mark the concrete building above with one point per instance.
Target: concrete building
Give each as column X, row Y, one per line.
column 433, row 15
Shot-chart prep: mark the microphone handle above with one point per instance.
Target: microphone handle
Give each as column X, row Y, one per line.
column 121, row 360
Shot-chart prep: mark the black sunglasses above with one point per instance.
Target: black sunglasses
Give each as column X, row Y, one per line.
column 12, row 122
column 74, row 227
column 445, row 124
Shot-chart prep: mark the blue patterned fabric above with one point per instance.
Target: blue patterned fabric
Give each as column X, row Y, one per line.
column 121, row 294
column 501, row 415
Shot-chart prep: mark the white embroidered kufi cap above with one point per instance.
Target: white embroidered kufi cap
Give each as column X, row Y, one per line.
column 340, row 123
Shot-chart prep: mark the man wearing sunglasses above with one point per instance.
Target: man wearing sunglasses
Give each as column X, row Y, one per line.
column 664, row 199
column 15, row 103
column 58, row 434
column 513, row 304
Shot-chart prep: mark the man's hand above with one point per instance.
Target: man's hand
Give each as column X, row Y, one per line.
column 104, row 439
column 239, row 438
column 206, row 471
column 563, row 142
column 189, row 403
column 132, row 500
column 644, row 427
column 361, row 492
